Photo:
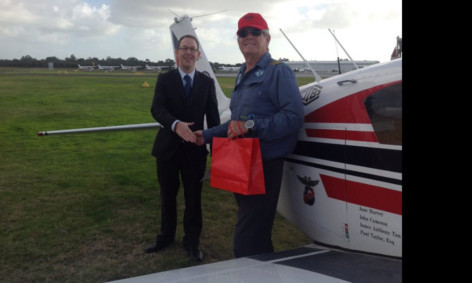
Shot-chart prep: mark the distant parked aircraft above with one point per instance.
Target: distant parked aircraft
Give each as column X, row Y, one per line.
column 86, row 68
column 150, row 68
column 107, row 68
column 132, row 68
column 223, row 68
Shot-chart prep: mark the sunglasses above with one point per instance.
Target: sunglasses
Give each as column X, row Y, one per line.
column 246, row 32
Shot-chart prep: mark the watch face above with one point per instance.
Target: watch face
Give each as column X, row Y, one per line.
column 249, row 124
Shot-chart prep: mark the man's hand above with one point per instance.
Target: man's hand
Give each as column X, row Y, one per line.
column 183, row 130
column 199, row 135
column 236, row 128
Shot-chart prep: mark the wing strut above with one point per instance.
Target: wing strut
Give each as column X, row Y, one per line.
column 101, row 129
column 318, row 78
column 343, row 50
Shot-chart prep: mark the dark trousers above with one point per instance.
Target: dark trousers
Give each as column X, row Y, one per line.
column 191, row 169
column 256, row 213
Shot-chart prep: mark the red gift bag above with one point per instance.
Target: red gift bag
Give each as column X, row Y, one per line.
column 236, row 166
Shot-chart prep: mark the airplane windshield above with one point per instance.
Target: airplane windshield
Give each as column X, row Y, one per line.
column 385, row 111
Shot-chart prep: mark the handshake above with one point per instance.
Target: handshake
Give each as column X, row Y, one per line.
column 183, row 130
column 235, row 128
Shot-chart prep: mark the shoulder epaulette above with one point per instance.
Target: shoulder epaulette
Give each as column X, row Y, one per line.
column 275, row 62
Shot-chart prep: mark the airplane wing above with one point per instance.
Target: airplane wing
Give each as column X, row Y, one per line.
column 311, row 263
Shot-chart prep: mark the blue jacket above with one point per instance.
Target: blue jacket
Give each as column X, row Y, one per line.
column 269, row 95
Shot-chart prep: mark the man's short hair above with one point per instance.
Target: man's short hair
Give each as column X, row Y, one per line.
column 189, row 36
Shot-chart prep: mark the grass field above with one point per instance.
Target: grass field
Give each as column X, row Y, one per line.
column 82, row 208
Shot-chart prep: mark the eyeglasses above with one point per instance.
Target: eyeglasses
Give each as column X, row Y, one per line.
column 246, row 32
column 185, row 49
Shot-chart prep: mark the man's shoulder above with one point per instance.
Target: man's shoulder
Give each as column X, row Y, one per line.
column 272, row 63
column 171, row 72
column 280, row 66
column 203, row 75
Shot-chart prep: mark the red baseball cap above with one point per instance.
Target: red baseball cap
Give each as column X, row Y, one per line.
column 254, row 20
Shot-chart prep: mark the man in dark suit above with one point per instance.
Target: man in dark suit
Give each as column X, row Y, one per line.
column 180, row 107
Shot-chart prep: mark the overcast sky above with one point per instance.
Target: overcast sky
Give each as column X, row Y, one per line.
column 367, row 29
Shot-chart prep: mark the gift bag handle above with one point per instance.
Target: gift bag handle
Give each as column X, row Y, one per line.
column 240, row 130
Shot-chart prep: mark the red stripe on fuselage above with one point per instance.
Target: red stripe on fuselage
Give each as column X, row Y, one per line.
column 349, row 109
column 342, row 135
column 363, row 194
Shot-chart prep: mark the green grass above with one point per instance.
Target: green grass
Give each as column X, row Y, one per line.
column 81, row 208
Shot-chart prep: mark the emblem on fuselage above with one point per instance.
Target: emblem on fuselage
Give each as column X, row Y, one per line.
column 308, row 192
column 311, row 93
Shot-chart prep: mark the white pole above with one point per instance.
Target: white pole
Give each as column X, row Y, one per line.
column 101, row 129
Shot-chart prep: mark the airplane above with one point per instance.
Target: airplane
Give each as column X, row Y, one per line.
column 132, row 68
column 86, row 68
column 223, row 68
column 342, row 185
column 107, row 68
column 151, row 68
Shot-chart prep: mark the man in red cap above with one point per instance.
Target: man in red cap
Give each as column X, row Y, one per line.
column 255, row 46
column 265, row 104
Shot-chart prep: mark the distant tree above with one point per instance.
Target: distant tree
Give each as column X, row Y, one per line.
column 169, row 62
column 132, row 61
column 53, row 59
column 28, row 61
column 70, row 62
column 71, row 58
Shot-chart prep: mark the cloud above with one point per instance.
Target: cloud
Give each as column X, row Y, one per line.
column 123, row 28
column 44, row 25
column 49, row 17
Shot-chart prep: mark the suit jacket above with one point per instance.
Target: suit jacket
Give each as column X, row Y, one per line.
column 169, row 104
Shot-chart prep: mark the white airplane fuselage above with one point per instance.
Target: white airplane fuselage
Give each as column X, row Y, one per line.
column 350, row 150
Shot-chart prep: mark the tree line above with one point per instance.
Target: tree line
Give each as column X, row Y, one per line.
column 72, row 62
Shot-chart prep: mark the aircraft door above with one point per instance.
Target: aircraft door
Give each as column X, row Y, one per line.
column 374, row 177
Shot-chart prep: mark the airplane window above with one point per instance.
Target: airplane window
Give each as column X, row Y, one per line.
column 385, row 111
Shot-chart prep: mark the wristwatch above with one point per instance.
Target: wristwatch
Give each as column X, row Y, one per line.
column 249, row 125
